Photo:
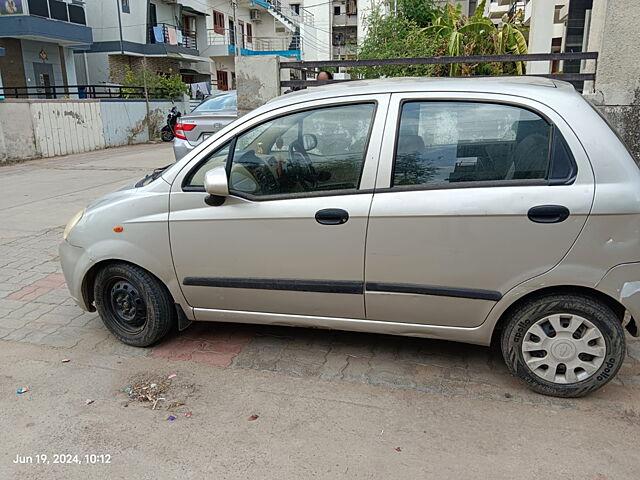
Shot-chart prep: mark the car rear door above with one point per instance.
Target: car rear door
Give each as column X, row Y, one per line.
column 475, row 194
column 277, row 244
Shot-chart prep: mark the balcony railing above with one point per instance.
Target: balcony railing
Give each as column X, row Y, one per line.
column 256, row 44
column 172, row 35
column 82, row 91
column 72, row 11
column 304, row 16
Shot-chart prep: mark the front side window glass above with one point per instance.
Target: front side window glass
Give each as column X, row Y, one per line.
column 310, row 151
column 452, row 142
column 216, row 159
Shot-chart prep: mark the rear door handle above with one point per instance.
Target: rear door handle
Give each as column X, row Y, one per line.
column 548, row 213
column 332, row 216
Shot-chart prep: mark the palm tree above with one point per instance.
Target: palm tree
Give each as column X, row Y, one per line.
column 477, row 35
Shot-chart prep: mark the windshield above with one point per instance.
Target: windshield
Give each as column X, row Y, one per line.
column 228, row 101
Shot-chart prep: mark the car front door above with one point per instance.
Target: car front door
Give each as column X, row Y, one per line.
column 290, row 237
column 475, row 194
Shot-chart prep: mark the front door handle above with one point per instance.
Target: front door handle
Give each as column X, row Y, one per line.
column 548, row 214
column 332, row 216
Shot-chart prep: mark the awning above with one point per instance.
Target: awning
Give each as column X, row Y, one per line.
column 195, row 12
column 184, row 56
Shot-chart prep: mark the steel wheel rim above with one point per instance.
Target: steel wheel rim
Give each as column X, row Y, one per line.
column 127, row 305
column 563, row 348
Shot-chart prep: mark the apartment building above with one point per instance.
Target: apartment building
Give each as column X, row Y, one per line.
column 554, row 26
column 38, row 38
column 260, row 27
column 164, row 35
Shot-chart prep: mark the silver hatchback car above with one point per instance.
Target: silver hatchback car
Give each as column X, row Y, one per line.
column 473, row 210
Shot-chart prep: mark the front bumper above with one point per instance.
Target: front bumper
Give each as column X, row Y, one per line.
column 75, row 262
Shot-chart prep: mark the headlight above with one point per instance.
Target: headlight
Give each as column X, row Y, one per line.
column 72, row 223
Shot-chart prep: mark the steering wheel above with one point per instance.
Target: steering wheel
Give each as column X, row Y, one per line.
column 302, row 167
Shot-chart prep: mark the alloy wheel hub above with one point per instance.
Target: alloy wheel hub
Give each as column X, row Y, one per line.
column 563, row 348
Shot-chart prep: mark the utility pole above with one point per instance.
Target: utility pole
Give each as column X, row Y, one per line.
column 146, row 95
column 120, row 26
column 234, row 4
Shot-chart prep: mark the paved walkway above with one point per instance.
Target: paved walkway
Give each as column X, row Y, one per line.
column 38, row 198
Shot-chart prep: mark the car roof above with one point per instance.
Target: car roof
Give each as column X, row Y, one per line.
column 525, row 86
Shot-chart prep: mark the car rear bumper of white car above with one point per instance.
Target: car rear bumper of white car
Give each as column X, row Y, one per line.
column 181, row 148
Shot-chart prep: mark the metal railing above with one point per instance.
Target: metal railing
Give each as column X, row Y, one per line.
column 184, row 38
column 251, row 42
column 304, row 16
column 80, row 91
column 307, row 68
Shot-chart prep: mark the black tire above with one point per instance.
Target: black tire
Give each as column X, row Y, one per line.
column 133, row 304
column 524, row 316
column 166, row 135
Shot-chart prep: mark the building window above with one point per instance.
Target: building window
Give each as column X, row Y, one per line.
column 125, row 6
column 295, row 8
column 218, row 22
column 336, row 10
column 249, row 33
column 58, row 10
column 223, row 82
column 39, row 8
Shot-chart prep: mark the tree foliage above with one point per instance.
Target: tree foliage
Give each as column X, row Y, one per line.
column 477, row 35
column 159, row 85
column 416, row 28
column 401, row 36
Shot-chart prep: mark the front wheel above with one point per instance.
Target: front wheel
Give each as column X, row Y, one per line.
column 133, row 304
column 563, row 345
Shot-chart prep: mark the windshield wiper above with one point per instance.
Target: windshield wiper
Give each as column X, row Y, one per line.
column 152, row 176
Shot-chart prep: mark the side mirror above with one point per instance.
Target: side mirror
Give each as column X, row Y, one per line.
column 216, row 182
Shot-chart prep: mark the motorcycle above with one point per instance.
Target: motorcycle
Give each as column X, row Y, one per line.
column 167, row 132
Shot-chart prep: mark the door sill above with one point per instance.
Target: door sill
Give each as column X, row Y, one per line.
column 480, row 335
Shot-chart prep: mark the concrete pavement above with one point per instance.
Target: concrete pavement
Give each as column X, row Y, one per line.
column 330, row 404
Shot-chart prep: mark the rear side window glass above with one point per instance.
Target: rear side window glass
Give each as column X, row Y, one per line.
column 443, row 143
column 563, row 166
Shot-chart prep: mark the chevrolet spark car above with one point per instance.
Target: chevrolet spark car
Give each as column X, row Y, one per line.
column 473, row 210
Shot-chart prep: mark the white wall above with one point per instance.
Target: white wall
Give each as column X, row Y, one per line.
column 124, row 123
column 541, row 34
column 317, row 39
column 102, row 16
column 48, row 128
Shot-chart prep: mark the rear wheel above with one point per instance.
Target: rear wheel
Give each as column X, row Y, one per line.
column 166, row 135
column 133, row 304
column 563, row 345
